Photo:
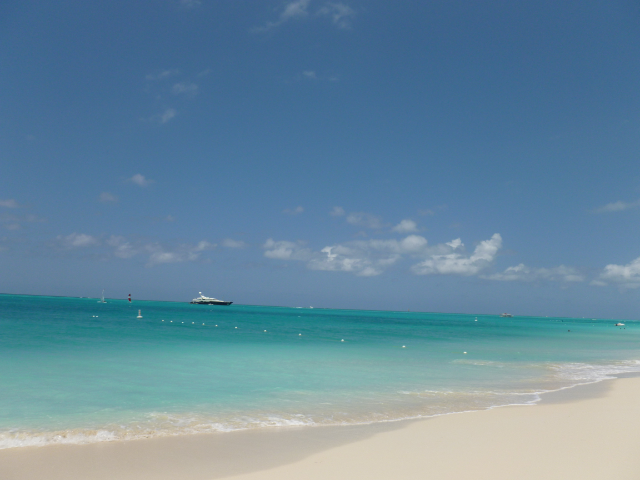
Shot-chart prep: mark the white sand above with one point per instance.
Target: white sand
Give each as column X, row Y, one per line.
column 592, row 438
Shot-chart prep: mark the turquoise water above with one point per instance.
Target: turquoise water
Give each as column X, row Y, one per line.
column 77, row 371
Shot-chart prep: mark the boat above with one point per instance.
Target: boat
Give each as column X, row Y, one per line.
column 506, row 315
column 202, row 300
column 102, row 298
column 619, row 325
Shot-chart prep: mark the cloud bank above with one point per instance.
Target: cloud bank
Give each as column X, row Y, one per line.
column 118, row 246
column 372, row 257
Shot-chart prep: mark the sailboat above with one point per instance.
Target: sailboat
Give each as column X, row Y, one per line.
column 102, row 298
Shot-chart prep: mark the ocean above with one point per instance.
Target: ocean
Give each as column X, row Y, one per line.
column 78, row 371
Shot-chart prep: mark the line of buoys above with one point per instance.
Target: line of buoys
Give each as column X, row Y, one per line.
column 341, row 340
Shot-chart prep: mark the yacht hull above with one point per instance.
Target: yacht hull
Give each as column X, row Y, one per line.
column 210, row 302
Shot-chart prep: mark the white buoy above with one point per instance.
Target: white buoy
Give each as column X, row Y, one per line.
column 203, row 323
column 236, row 327
column 139, row 314
column 299, row 334
column 342, row 340
column 265, row 331
column 163, row 320
column 194, row 322
column 182, row 322
column 464, row 353
column 171, row 321
column 216, row 325
column 403, row 346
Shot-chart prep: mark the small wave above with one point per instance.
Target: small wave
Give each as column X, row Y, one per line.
column 591, row 373
column 480, row 363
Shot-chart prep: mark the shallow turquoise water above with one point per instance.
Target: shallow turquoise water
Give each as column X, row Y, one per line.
column 75, row 370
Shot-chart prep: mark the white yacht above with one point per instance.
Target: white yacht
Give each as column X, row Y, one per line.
column 506, row 315
column 202, row 300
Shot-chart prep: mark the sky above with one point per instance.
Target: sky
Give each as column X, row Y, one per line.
column 475, row 157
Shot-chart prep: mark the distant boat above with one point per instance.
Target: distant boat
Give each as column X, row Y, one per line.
column 102, row 298
column 202, row 300
column 619, row 324
column 506, row 315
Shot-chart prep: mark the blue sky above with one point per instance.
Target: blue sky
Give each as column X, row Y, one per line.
column 435, row 156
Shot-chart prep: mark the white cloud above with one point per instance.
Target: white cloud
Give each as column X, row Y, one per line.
column 363, row 258
column 230, row 243
column 627, row 276
column 457, row 243
column 292, row 10
column 122, row 248
column 340, row 14
column 159, row 254
column 293, row 211
column 162, row 75
column 310, row 74
column 75, row 240
column 9, row 203
column 362, row 219
column 525, row 274
column 284, row 250
column 140, row 180
column 457, row 263
column 617, row 206
column 189, row 89
column 337, row 212
column 106, row 197
column 167, row 115
column 353, row 258
column 405, row 226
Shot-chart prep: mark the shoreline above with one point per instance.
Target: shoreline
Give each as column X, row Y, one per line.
column 568, row 431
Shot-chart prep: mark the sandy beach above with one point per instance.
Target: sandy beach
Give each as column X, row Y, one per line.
column 588, row 432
